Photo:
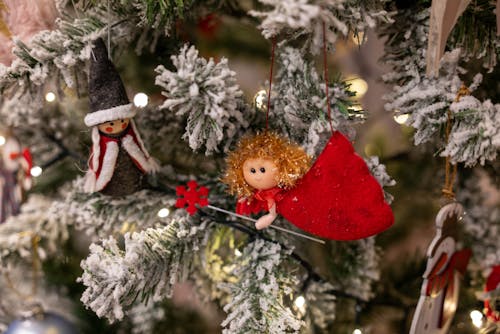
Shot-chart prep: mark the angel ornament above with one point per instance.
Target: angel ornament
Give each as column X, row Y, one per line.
column 337, row 198
column 260, row 170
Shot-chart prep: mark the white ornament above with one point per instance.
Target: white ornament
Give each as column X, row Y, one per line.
column 439, row 295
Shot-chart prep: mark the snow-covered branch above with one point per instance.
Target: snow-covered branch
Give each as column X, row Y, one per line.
column 299, row 103
column 101, row 216
column 306, row 18
column 207, row 93
column 257, row 298
column 147, row 268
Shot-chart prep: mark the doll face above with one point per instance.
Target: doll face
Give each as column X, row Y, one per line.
column 260, row 174
column 114, row 127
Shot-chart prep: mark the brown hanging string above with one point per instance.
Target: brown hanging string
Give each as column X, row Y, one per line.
column 325, row 65
column 450, row 169
column 35, row 239
column 270, row 84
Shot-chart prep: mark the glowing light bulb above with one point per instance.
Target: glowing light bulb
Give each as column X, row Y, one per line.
column 237, row 252
column 163, row 213
column 477, row 318
column 141, row 100
column 357, row 331
column 401, row 118
column 358, row 85
column 358, row 39
column 50, row 97
column 2, row 140
column 300, row 302
column 36, row 171
column 259, row 100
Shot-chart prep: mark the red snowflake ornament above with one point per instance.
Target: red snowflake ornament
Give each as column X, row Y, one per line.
column 191, row 197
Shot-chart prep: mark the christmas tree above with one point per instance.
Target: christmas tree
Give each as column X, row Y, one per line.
column 122, row 121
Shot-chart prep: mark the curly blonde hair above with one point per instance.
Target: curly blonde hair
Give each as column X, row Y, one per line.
column 291, row 160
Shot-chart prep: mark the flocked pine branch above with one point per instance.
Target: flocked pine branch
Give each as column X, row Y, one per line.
column 258, row 297
column 477, row 23
column 320, row 306
column 299, row 103
column 207, row 93
column 306, row 18
column 474, row 135
column 101, row 216
column 426, row 100
column 482, row 220
column 146, row 269
column 405, row 47
column 156, row 14
column 64, row 49
column 365, row 254
column 378, row 170
column 144, row 316
column 38, row 219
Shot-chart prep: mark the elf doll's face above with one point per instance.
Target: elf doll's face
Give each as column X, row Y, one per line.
column 261, row 174
column 114, row 127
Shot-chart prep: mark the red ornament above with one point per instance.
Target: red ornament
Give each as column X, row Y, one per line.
column 209, row 25
column 192, row 196
column 337, row 198
column 491, row 304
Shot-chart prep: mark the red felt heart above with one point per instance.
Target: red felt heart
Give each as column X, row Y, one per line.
column 338, row 198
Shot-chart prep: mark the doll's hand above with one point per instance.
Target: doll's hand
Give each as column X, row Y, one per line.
column 265, row 221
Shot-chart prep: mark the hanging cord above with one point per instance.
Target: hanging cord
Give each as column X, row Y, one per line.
column 270, row 84
column 35, row 239
column 451, row 169
column 109, row 29
column 325, row 66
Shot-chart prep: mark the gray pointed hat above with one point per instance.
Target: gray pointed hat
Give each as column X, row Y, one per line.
column 107, row 96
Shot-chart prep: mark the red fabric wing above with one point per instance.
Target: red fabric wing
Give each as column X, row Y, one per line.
column 338, row 198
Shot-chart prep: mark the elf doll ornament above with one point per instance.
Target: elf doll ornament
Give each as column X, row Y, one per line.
column 337, row 198
column 15, row 177
column 119, row 161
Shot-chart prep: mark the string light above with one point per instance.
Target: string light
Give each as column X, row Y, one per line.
column 141, row 100
column 2, row 140
column 300, row 304
column 477, row 318
column 163, row 213
column 357, row 331
column 358, row 38
column 358, row 85
column 401, row 118
column 36, row 171
column 50, row 97
column 259, row 100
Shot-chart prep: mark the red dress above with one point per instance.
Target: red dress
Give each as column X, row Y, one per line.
column 337, row 198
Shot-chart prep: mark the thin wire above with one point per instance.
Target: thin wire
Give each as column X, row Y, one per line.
column 271, row 226
column 325, row 65
column 109, row 29
column 270, row 83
